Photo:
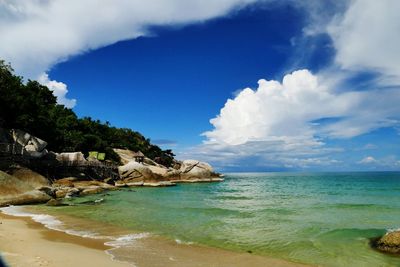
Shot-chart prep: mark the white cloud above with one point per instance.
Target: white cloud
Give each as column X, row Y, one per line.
column 388, row 163
column 286, row 123
column 367, row 37
column 368, row 160
column 299, row 109
column 306, row 110
column 39, row 33
column 59, row 90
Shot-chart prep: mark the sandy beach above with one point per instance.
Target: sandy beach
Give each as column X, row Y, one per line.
column 25, row 242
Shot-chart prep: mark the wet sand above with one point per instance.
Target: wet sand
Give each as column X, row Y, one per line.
column 24, row 242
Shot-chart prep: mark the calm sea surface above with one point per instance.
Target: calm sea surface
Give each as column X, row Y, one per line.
column 317, row 218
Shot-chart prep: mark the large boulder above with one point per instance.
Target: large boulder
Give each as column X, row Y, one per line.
column 30, row 197
column 33, row 179
column 193, row 169
column 136, row 172
column 389, row 243
column 71, row 157
column 31, row 145
column 23, row 187
column 125, row 155
column 20, row 181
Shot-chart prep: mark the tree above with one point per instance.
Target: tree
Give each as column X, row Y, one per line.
column 32, row 107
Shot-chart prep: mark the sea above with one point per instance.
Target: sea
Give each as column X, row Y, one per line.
column 324, row 219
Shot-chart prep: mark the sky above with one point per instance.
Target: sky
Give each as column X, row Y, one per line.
column 247, row 85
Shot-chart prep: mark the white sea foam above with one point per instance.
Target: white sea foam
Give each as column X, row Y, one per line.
column 178, row 241
column 47, row 220
column 390, row 230
column 126, row 240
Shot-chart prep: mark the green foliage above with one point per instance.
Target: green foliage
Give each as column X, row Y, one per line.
column 33, row 108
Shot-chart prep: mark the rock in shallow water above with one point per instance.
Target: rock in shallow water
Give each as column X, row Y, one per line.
column 389, row 243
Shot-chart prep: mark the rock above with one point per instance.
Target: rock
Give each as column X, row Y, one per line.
column 92, row 190
column 24, row 181
column 389, row 243
column 71, row 157
column 217, row 179
column 125, row 155
column 176, row 165
column 136, row 172
column 121, row 184
column 193, row 169
column 109, row 181
column 159, row 184
column 72, row 192
column 135, row 184
column 68, row 181
column 30, row 177
column 91, row 183
column 55, row 203
column 158, row 170
column 48, row 190
column 61, row 193
column 30, row 197
column 31, row 145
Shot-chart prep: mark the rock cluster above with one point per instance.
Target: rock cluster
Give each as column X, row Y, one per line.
column 24, row 186
column 149, row 172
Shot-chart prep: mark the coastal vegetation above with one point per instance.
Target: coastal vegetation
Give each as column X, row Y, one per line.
column 33, row 108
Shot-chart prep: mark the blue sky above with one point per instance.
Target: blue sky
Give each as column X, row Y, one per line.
column 328, row 100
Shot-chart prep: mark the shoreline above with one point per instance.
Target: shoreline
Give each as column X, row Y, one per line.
column 27, row 242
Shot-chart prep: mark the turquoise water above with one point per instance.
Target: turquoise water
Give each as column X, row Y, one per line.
column 317, row 218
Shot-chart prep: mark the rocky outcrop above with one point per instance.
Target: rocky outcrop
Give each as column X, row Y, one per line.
column 196, row 170
column 389, row 243
column 182, row 171
column 137, row 172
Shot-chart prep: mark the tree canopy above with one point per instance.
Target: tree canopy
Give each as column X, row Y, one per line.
column 32, row 107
